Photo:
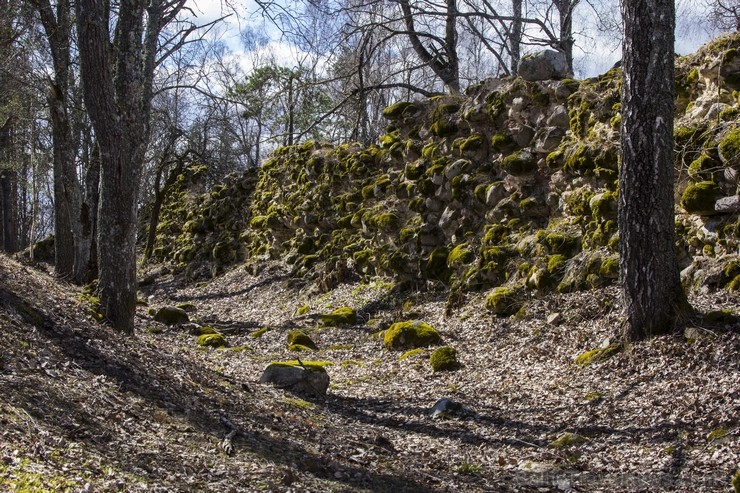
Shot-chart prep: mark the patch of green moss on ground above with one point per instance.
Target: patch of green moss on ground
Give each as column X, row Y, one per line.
column 212, row 340
column 568, row 439
column 411, row 353
column 598, row 354
column 410, row 334
column 444, row 359
column 260, row 332
column 460, row 255
column 341, row 316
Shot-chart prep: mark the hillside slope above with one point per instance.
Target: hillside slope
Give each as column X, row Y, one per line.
column 85, row 409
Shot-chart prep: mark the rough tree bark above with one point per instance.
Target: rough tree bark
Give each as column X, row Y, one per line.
column 650, row 281
column 72, row 236
column 117, row 83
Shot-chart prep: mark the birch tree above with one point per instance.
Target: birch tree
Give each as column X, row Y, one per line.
column 650, row 281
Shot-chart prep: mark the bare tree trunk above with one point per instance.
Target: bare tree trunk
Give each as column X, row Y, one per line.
column 515, row 39
column 9, row 230
column 650, row 280
column 565, row 9
column 119, row 107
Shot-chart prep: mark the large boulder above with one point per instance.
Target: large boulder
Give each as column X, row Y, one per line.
column 305, row 379
column 544, row 65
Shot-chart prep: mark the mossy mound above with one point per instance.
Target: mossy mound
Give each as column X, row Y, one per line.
column 410, row 334
column 699, row 198
column 298, row 338
column 444, row 359
column 598, row 354
column 212, row 340
column 172, row 315
column 504, row 301
column 341, row 316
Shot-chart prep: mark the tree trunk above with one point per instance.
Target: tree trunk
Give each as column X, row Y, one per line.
column 650, row 278
column 117, row 87
column 9, row 230
column 565, row 12
column 515, row 39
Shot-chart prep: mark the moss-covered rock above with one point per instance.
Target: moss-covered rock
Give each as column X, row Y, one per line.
column 444, row 359
column 341, row 316
column 410, row 334
column 519, row 163
column 699, row 198
column 729, row 148
column 171, row 315
column 300, row 338
column 301, row 377
column 504, row 301
column 212, row 340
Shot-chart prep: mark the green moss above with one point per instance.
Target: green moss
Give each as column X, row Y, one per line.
column 300, row 338
column 259, row 333
column 341, row 316
column 578, row 201
column 385, row 221
column 504, row 301
column 579, row 118
column 556, row 264
column 503, row 143
column 568, row 440
column 443, row 128
column 736, row 481
column 400, row 109
column 604, row 205
column 495, row 234
column 519, row 163
column 610, row 267
column 444, row 359
column 308, row 365
column 730, row 145
column 472, row 143
column 300, row 348
column 302, row 310
column 460, row 255
column 410, row 334
column 562, row 243
column 704, row 167
column 699, row 198
column 411, row 353
column 598, row 354
column 212, row 340
column 730, row 114
column 199, row 331
column 495, row 105
column 435, row 266
column 415, row 170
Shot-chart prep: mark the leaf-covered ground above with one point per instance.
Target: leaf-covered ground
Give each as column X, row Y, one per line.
column 86, row 409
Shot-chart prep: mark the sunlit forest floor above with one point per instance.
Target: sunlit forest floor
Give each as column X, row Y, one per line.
column 84, row 408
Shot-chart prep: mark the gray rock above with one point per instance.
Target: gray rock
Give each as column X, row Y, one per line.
column 543, row 65
column 310, row 380
column 728, row 205
column 446, row 407
column 550, row 139
column 522, row 135
column 171, row 315
column 559, row 118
